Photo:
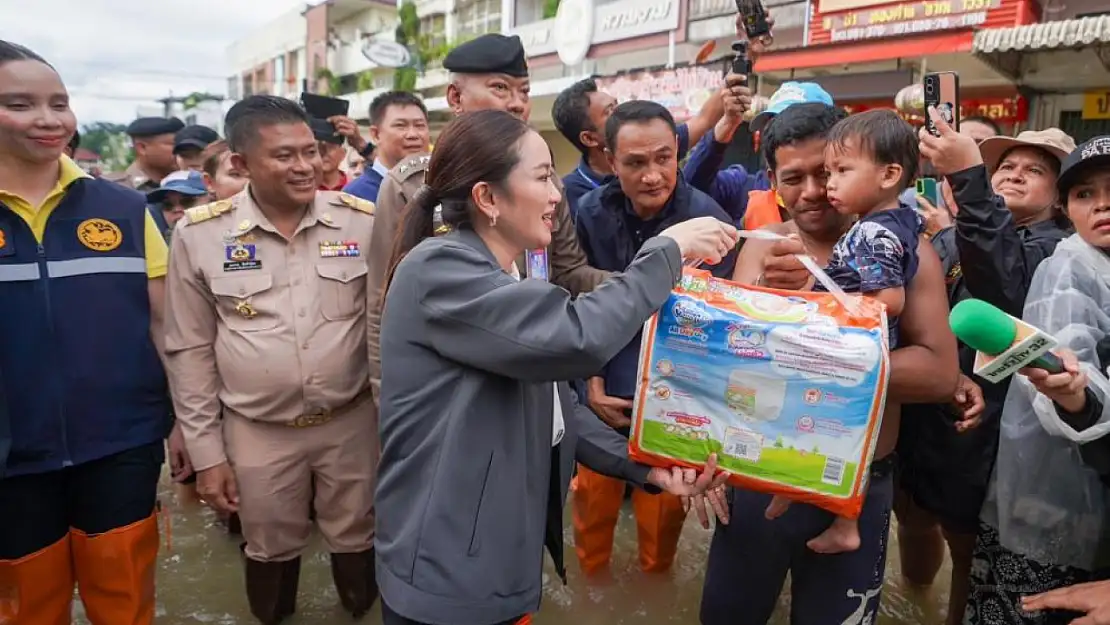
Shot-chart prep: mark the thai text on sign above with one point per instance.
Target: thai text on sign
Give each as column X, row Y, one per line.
column 683, row 91
column 907, row 18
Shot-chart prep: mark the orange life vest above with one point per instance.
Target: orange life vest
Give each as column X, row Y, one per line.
column 763, row 209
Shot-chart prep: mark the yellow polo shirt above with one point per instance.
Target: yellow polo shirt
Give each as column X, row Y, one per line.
column 157, row 255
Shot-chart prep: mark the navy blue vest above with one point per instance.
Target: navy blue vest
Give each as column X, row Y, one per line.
column 82, row 377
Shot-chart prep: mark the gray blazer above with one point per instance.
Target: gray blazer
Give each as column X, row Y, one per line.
column 470, row 489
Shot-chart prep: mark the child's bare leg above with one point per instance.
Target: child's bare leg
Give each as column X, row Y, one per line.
column 842, row 536
column 777, row 507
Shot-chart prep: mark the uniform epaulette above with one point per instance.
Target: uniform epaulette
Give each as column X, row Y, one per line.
column 412, row 165
column 357, row 203
column 197, row 214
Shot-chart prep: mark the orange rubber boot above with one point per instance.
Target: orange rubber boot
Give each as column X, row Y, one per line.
column 38, row 589
column 659, row 520
column 597, row 507
column 115, row 573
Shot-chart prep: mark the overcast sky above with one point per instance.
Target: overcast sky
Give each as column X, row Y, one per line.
column 117, row 55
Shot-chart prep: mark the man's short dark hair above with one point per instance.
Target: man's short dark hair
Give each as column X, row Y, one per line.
column 257, row 111
column 884, row 136
column 635, row 112
column 394, row 98
column 797, row 124
column 11, row 51
column 986, row 121
column 571, row 112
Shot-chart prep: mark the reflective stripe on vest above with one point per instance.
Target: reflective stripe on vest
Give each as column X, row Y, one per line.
column 763, row 209
column 67, row 268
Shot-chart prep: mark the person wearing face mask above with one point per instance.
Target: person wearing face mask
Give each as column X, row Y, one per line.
column 479, row 435
column 267, row 356
column 488, row 72
column 153, row 140
column 1008, row 220
column 81, row 278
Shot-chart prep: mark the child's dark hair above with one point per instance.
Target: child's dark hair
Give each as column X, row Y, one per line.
column 885, row 137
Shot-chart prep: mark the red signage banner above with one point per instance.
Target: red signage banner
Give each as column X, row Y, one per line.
column 683, row 90
column 1011, row 110
column 911, row 18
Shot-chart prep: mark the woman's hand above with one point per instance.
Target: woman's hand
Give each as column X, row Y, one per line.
column 703, row 239
column 936, row 218
column 970, row 404
column 181, row 467
column 1069, row 389
column 781, row 267
column 696, row 489
column 1092, row 599
column 950, row 152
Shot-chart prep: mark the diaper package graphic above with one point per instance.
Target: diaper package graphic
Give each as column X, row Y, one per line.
column 787, row 388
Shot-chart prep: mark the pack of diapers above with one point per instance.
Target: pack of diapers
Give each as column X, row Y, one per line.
column 787, row 388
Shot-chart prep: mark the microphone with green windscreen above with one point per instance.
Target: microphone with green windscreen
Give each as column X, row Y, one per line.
column 987, row 329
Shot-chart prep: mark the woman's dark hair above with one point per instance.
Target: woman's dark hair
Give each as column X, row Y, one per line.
column 471, row 149
column 14, row 52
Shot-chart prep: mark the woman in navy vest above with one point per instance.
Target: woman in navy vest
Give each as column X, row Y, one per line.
column 81, row 285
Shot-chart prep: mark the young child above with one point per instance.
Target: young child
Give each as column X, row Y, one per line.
column 870, row 159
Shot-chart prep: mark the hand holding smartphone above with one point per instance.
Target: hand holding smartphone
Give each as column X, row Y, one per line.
column 942, row 91
column 754, row 16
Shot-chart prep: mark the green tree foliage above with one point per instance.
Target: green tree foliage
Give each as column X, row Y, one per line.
column 550, row 8
column 110, row 142
column 332, row 85
column 779, row 443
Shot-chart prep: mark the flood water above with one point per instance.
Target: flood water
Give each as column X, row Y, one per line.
column 201, row 581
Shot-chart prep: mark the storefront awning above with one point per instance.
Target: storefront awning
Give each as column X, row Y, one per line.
column 1076, row 33
column 1064, row 55
column 864, row 52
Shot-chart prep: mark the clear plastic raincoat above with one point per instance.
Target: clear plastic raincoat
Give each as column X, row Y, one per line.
column 1045, row 502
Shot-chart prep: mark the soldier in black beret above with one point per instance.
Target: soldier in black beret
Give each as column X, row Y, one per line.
column 152, row 138
column 489, row 72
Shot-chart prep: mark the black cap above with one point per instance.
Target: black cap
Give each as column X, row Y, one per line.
column 325, row 131
column 154, row 126
column 1090, row 155
column 194, row 137
column 492, row 53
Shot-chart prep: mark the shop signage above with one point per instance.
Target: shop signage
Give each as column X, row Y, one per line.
column 574, row 30
column 683, row 91
column 624, row 19
column 1003, row 110
column 1096, row 104
column 832, row 6
column 908, row 18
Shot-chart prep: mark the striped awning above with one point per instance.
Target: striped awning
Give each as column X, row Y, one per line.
column 1059, row 35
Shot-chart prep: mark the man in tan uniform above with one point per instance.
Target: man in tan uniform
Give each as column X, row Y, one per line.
column 153, row 139
column 267, row 358
column 489, row 72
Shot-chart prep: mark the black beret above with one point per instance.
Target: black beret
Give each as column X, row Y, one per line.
column 325, row 131
column 195, row 137
column 492, row 53
column 154, row 126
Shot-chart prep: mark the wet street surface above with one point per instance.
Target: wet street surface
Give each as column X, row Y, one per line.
column 201, row 581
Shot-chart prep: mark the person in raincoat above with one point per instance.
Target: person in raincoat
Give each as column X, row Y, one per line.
column 1044, row 524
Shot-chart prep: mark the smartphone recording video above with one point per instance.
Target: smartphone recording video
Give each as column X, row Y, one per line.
column 754, row 17
column 942, row 91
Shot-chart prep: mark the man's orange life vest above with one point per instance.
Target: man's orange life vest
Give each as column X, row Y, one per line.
column 763, row 209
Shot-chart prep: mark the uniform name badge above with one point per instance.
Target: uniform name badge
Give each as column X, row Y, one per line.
column 241, row 257
column 537, row 263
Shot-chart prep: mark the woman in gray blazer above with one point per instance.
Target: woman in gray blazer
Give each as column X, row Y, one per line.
column 478, row 440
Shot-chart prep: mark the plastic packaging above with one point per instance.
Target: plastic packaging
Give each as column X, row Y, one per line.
column 787, row 388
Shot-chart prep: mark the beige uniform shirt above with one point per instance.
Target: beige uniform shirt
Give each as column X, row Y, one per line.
column 269, row 328
column 134, row 178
